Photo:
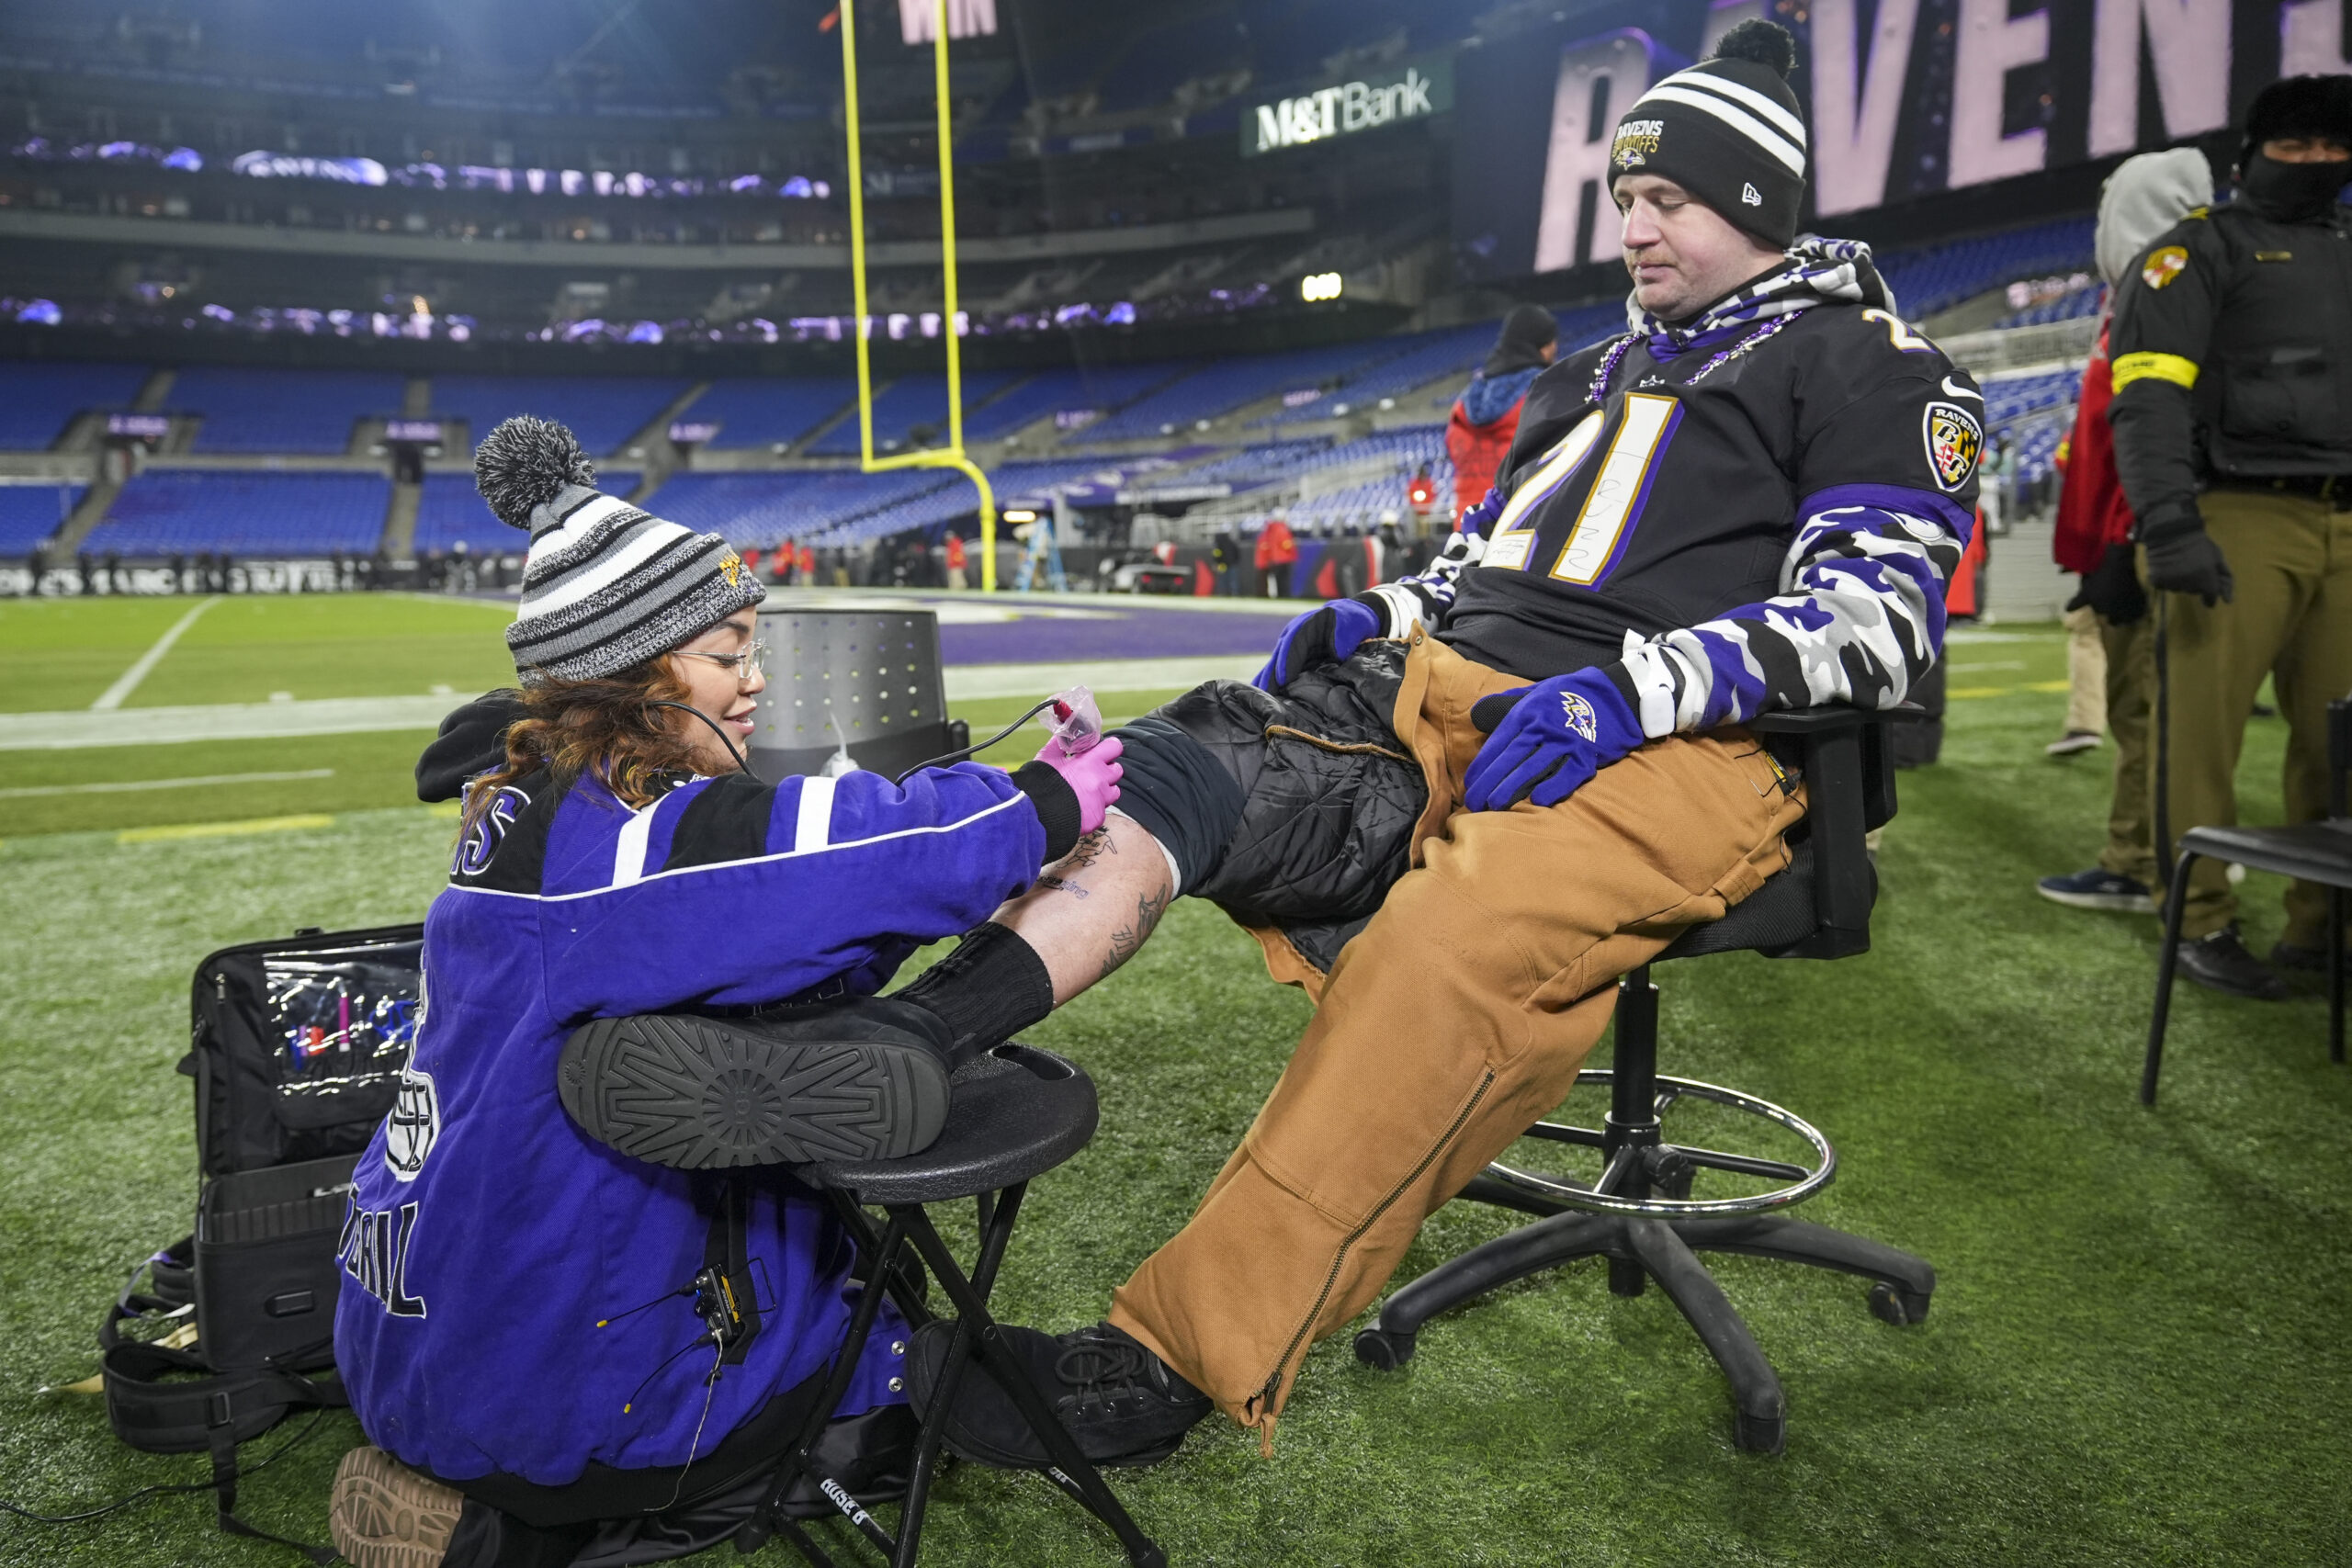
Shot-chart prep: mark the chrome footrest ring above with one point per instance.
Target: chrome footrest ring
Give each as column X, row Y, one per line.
column 1572, row 1196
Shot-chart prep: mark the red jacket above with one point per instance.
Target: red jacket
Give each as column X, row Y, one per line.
column 1478, row 450
column 2092, row 513
column 1278, row 546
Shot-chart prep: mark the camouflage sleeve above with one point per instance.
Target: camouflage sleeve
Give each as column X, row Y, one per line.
column 1859, row 618
column 1426, row 598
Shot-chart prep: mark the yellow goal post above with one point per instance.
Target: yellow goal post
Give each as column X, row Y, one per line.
column 953, row 455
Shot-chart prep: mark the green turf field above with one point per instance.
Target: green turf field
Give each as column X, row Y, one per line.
column 61, row 654
column 2137, row 1353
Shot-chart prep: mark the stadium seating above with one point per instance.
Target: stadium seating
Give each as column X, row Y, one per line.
column 907, row 402
column 1936, row 278
column 1051, row 391
column 450, row 512
column 768, row 411
column 167, row 512
column 2070, row 307
column 2032, row 414
column 602, row 411
column 1452, row 354
column 307, row 412
column 758, row 508
column 30, row 513
column 2011, row 397
column 38, row 400
column 1227, row 385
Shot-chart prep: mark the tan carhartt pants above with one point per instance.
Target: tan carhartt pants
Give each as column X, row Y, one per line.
column 1458, row 1017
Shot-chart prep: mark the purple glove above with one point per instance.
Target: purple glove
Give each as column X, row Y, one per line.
column 1092, row 776
column 1335, row 631
column 1555, row 735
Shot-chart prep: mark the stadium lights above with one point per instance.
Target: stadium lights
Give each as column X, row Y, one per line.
column 1319, row 285
column 1019, row 515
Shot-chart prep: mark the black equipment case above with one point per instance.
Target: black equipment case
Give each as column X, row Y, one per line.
column 297, row 1049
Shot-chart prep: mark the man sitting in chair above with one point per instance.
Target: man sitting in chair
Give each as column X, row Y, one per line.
column 1506, row 782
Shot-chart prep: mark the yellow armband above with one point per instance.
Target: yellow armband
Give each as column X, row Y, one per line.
column 2131, row 367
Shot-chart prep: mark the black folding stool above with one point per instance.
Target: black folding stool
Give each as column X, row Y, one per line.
column 1639, row 1213
column 2316, row 851
column 1012, row 1115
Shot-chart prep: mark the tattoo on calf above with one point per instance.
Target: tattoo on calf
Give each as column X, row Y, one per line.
column 1063, row 879
column 1127, row 938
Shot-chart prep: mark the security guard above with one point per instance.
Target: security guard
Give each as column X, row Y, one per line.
column 2232, row 421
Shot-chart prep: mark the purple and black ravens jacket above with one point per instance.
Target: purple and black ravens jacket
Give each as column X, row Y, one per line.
column 490, row 1238
column 1755, row 510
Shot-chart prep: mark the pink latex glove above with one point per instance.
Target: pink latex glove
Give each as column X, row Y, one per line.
column 1092, row 776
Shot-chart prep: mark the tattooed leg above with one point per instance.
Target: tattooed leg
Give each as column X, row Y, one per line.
column 1094, row 907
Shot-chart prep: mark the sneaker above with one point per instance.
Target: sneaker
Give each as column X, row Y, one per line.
column 2220, row 963
column 2097, row 889
column 863, row 1081
column 1124, row 1405
column 2073, row 740
column 381, row 1514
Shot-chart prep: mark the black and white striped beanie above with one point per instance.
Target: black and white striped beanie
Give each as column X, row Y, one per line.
column 605, row 585
column 1727, row 130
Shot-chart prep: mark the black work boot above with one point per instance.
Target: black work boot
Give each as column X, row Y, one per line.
column 1124, row 1405
column 2220, row 963
column 860, row 1079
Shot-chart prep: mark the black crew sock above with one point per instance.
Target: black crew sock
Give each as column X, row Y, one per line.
column 991, row 987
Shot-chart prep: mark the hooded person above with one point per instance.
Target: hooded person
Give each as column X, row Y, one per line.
column 584, row 1315
column 1478, row 433
column 2107, row 657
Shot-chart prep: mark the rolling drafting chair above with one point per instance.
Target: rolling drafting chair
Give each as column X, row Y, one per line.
column 1012, row 1115
column 1639, row 1213
column 2316, row 851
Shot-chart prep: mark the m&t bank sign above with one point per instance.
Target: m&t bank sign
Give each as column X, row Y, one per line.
column 1414, row 91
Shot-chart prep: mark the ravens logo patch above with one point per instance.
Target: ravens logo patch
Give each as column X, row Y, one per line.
column 2162, row 265
column 1955, row 440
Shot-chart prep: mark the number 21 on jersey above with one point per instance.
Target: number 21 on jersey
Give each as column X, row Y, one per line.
column 1613, row 501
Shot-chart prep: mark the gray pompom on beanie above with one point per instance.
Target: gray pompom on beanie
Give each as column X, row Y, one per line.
column 605, row 586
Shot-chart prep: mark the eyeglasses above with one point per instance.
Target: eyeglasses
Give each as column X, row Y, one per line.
column 745, row 662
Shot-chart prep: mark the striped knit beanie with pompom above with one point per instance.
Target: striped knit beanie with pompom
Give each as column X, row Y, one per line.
column 1728, row 130
column 605, row 585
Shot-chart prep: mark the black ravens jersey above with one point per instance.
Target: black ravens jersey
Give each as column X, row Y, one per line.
column 1683, row 491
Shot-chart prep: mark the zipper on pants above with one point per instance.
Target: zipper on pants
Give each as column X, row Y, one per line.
column 1340, row 1258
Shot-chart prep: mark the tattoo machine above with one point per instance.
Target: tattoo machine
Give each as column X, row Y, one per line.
column 1077, row 721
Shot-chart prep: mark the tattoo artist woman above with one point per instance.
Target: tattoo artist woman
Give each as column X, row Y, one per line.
column 519, row 1327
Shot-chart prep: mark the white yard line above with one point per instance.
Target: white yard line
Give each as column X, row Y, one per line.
column 350, row 716
column 112, row 697
column 28, row 791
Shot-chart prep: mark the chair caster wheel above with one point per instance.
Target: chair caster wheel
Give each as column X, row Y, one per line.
column 1382, row 1351
column 1899, row 1307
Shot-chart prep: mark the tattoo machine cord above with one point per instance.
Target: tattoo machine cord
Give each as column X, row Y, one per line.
column 146, row 1492
column 1078, row 725
column 979, row 747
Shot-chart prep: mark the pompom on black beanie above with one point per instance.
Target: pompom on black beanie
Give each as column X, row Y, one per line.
column 1728, row 130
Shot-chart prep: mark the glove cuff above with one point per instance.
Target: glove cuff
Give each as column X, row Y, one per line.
column 1056, row 804
column 2171, row 520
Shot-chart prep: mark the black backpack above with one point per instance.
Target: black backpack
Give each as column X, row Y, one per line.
column 297, row 1049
